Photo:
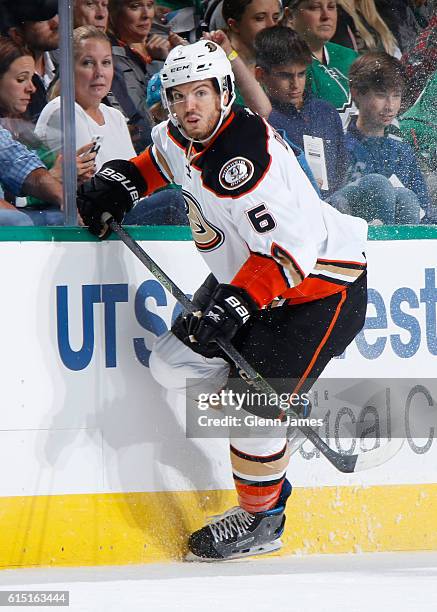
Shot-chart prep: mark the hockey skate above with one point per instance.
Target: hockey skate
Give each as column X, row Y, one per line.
column 238, row 533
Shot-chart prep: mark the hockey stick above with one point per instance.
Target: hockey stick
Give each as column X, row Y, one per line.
column 343, row 463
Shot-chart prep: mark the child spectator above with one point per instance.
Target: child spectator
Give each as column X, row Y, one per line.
column 282, row 58
column 91, row 12
column 316, row 22
column 93, row 71
column 154, row 101
column 387, row 184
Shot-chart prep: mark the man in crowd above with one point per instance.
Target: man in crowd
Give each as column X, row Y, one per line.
column 22, row 173
column 91, row 12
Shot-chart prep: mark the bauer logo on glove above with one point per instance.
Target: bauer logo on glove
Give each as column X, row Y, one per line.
column 230, row 307
column 120, row 178
column 114, row 190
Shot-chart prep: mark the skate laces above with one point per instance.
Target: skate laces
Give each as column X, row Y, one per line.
column 235, row 521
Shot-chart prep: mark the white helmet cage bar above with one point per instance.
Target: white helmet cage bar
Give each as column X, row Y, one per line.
column 199, row 61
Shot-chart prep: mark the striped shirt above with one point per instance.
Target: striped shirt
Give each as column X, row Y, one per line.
column 16, row 162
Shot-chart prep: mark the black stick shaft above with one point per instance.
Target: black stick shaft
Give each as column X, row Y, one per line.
column 341, row 462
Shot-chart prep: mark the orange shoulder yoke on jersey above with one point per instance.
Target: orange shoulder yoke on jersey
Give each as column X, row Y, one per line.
column 150, row 170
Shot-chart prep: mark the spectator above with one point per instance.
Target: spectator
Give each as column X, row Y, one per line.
column 154, row 101
column 365, row 28
column 93, row 71
column 16, row 69
column 166, row 206
column 38, row 31
column 248, row 91
column 282, row 58
column 129, row 25
column 91, row 12
column 402, row 19
column 420, row 62
column 23, row 173
column 387, row 184
column 316, row 22
column 244, row 18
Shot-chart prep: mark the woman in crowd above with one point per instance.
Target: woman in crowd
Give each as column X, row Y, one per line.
column 129, row 29
column 244, row 19
column 93, row 71
column 361, row 27
column 17, row 67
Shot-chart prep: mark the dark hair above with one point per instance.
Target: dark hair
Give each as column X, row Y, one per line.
column 9, row 52
column 377, row 71
column 234, row 9
column 292, row 4
column 280, row 45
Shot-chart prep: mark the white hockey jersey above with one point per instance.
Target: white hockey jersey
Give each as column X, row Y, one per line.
column 254, row 215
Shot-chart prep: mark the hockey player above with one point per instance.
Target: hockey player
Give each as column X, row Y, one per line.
column 288, row 282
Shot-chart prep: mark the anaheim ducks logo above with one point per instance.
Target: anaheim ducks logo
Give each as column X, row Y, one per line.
column 206, row 236
column 235, row 173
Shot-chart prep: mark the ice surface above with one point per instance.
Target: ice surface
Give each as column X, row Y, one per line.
column 389, row 582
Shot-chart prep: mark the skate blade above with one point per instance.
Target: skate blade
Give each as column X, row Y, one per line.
column 252, row 552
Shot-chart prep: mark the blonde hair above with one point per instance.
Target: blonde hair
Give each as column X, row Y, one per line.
column 370, row 13
column 87, row 32
column 80, row 34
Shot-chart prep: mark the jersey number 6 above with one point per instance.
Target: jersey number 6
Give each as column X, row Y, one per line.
column 260, row 219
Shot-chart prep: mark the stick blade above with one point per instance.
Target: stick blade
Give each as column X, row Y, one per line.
column 374, row 458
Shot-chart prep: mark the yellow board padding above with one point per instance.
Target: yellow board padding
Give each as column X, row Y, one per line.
column 124, row 528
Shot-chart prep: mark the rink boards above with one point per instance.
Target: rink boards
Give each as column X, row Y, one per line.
column 96, row 465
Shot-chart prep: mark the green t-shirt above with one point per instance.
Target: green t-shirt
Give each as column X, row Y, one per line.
column 330, row 81
column 48, row 159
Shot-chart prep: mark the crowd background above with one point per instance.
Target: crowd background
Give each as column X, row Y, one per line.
column 351, row 85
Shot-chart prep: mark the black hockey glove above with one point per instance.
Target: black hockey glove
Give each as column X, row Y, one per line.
column 186, row 322
column 229, row 308
column 114, row 189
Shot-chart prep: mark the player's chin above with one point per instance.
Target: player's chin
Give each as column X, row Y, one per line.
column 196, row 132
